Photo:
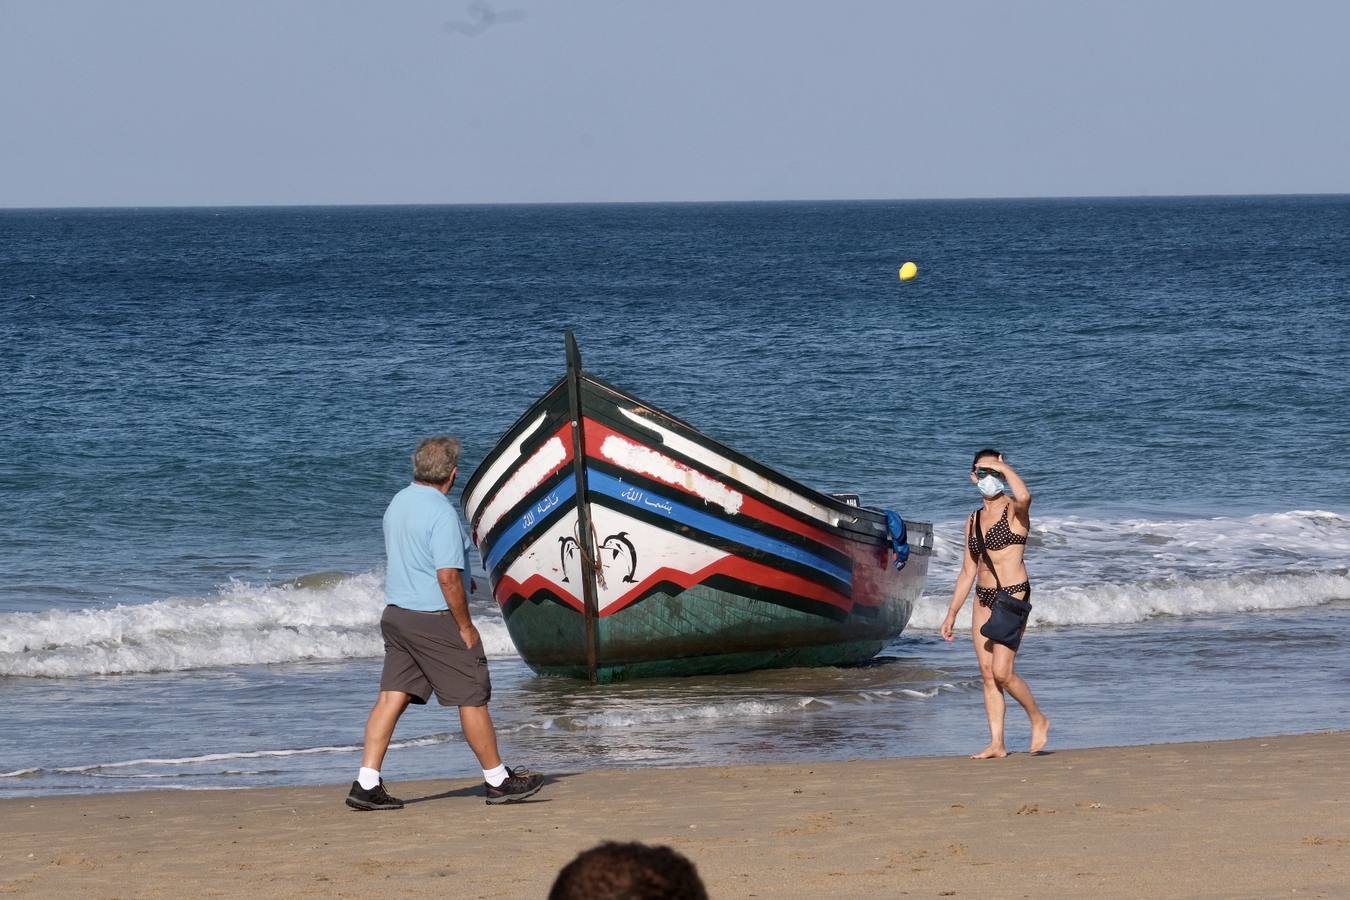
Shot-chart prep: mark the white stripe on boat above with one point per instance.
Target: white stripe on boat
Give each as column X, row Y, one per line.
column 628, row 548
column 529, row 476
column 655, row 547
column 499, row 466
column 646, row 461
column 737, row 472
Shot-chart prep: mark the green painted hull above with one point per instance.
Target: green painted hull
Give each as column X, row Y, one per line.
column 699, row 631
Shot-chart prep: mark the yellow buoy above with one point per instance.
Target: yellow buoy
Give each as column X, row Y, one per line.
column 908, row 271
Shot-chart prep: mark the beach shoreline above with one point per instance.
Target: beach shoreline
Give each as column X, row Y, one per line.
column 1249, row 817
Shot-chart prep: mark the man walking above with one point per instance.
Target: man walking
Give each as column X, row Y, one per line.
column 430, row 643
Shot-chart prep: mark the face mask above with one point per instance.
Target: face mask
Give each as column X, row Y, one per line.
column 990, row 486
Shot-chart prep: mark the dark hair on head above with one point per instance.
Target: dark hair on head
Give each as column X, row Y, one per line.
column 987, row 451
column 632, row 871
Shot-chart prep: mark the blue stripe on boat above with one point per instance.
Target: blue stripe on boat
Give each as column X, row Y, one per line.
column 564, row 492
column 677, row 512
column 599, row 482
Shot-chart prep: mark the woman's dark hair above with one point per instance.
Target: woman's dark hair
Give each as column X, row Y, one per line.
column 631, row 871
column 987, row 451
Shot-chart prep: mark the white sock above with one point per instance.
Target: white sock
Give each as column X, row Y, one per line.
column 496, row 776
column 368, row 778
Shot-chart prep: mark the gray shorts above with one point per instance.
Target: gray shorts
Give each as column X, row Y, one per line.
column 423, row 653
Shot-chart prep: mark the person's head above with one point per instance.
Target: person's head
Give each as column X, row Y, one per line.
column 436, row 461
column 632, row 871
column 986, row 474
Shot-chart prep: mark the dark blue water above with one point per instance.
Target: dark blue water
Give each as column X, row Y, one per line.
column 198, row 406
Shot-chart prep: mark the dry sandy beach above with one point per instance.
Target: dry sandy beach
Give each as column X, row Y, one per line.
column 1250, row 818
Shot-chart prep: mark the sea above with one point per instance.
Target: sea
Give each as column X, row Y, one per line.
column 203, row 413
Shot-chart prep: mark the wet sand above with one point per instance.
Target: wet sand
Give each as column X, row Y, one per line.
column 1248, row 818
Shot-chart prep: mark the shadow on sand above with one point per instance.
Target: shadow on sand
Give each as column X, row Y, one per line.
column 477, row 791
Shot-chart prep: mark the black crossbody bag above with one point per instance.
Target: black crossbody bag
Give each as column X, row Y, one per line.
column 1008, row 616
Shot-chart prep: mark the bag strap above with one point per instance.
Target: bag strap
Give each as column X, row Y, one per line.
column 979, row 542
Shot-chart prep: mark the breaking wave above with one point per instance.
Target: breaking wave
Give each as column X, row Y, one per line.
column 1085, row 572
column 1119, row 604
column 312, row 619
column 1095, row 572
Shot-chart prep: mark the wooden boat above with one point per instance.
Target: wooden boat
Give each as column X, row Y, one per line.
column 621, row 542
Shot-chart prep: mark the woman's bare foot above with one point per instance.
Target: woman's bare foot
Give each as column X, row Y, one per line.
column 993, row 751
column 1040, row 734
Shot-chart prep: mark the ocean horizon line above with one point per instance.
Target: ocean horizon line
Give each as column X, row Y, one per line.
column 468, row 204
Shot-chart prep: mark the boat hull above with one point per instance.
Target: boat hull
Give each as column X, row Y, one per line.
column 701, row 561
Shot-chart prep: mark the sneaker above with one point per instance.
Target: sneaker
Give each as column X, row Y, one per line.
column 375, row 798
column 519, row 784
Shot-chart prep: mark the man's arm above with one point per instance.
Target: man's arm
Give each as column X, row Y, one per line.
column 452, row 589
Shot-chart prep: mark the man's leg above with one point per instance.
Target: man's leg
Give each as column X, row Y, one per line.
column 503, row 785
column 368, row 790
column 480, row 735
column 380, row 726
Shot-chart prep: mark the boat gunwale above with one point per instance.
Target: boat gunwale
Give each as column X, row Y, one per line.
column 741, row 459
column 872, row 514
column 867, row 529
column 517, row 427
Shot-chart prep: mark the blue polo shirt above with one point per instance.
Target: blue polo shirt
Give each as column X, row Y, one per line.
column 422, row 533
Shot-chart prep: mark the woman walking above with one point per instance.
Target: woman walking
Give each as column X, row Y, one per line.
column 996, row 535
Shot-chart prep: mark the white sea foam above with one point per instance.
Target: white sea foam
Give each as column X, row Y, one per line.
column 743, row 709
column 735, row 710
column 1096, row 572
column 101, row 768
column 884, row 695
column 1107, row 603
column 243, row 624
column 621, row 719
column 21, row 773
column 1084, row 572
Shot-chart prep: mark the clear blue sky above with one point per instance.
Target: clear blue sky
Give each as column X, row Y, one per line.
column 183, row 102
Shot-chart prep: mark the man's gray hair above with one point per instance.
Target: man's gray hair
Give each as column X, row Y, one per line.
column 435, row 458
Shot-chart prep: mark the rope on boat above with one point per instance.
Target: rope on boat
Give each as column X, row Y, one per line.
column 586, row 558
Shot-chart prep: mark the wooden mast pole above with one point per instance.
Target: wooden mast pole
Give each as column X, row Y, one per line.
column 585, row 536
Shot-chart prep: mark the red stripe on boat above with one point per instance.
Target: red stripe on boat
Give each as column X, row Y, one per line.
column 742, row 569
column 565, row 435
column 734, row 566
column 507, row 586
column 750, row 506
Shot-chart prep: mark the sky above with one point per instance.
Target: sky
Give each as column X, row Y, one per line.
column 208, row 102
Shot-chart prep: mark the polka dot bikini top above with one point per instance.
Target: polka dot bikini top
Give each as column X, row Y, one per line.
column 999, row 536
